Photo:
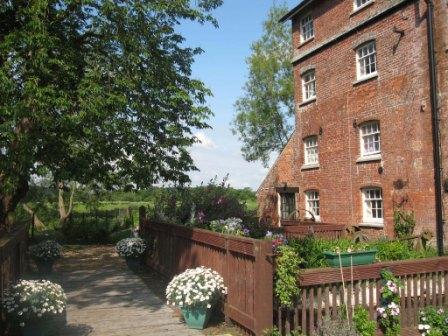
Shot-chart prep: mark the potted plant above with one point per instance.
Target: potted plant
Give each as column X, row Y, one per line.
column 45, row 254
column 132, row 250
column 37, row 307
column 195, row 292
column 350, row 257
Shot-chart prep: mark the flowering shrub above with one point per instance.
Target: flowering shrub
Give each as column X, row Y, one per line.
column 131, row 247
column 199, row 287
column 278, row 240
column 389, row 310
column 198, row 206
column 232, row 226
column 433, row 322
column 34, row 299
column 46, row 250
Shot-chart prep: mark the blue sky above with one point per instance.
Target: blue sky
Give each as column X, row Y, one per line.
column 223, row 69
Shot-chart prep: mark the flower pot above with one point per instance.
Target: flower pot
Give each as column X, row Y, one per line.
column 196, row 317
column 134, row 263
column 350, row 258
column 45, row 327
column 44, row 266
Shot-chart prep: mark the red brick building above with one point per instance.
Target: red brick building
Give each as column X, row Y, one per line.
column 363, row 144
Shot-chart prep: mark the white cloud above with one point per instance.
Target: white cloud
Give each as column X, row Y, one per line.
column 205, row 141
column 225, row 159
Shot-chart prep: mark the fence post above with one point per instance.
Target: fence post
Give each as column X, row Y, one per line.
column 141, row 218
column 33, row 219
column 263, row 295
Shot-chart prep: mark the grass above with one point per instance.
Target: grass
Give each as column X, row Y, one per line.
column 110, row 205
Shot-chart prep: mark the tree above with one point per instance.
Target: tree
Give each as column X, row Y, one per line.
column 263, row 119
column 97, row 90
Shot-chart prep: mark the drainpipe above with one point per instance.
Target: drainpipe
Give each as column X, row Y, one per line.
column 440, row 221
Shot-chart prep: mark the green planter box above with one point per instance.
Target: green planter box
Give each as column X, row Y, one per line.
column 350, row 258
column 196, row 318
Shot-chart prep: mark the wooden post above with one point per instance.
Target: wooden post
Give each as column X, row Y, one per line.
column 263, row 295
column 32, row 226
column 131, row 216
column 142, row 218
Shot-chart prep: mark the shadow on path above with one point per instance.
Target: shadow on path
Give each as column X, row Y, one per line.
column 107, row 299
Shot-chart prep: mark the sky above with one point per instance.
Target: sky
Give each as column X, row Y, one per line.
column 222, row 67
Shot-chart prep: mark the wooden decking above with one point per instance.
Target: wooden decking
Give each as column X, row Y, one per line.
column 106, row 299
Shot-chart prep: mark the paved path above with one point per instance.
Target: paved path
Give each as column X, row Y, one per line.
column 106, row 299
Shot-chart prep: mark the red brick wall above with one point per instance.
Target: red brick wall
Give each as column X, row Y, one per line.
column 279, row 174
column 331, row 18
column 398, row 99
column 441, row 37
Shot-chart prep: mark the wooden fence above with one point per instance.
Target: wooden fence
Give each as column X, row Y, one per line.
column 425, row 283
column 329, row 231
column 13, row 248
column 244, row 263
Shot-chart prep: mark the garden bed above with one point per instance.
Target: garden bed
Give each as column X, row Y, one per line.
column 322, row 293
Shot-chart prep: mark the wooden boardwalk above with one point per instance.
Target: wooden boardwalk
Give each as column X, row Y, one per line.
column 106, row 299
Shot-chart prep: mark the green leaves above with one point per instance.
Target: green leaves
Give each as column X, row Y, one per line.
column 286, row 287
column 99, row 90
column 264, row 115
column 363, row 324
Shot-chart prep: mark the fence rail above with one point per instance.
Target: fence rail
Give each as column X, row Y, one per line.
column 330, row 231
column 425, row 283
column 244, row 263
column 13, row 247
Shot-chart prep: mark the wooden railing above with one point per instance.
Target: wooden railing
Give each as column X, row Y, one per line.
column 330, row 231
column 425, row 283
column 244, row 263
column 13, row 247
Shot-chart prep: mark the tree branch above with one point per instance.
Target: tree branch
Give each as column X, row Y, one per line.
column 37, row 222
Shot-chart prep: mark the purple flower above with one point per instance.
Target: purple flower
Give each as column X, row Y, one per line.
column 200, row 216
column 278, row 240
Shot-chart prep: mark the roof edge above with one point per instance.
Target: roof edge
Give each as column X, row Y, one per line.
column 295, row 10
column 271, row 169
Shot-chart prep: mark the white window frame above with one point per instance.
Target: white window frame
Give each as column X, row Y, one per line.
column 373, row 206
column 366, row 61
column 309, row 85
column 370, row 133
column 312, row 204
column 306, row 28
column 358, row 4
column 311, row 150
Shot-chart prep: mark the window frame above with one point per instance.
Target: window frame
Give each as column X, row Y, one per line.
column 306, row 26
column 307, row 85
column 363, row 137
column 308, row 147
column 293, row 205
column 368, row 207
column 361, row 65
column 310, row 204
column 357, row 6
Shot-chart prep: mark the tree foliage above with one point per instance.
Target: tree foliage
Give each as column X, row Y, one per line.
column 263, row 119
column 97, row 90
